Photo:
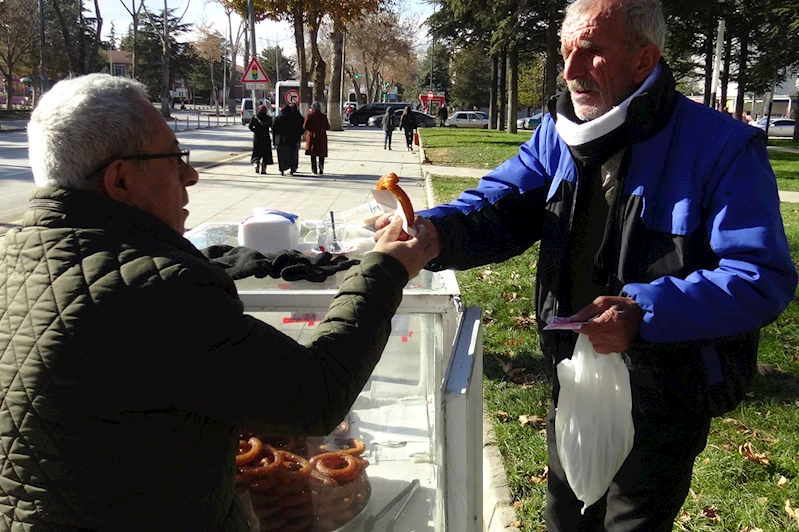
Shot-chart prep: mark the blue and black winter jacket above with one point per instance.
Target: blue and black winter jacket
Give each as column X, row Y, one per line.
column 695, row 237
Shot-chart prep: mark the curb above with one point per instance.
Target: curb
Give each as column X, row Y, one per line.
column 499, row 515
column 498, row 512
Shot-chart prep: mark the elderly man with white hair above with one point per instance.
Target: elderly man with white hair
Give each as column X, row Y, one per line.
column 659, row 222
column 127, row 365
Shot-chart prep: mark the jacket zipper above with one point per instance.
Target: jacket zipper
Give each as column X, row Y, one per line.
column 567, row 251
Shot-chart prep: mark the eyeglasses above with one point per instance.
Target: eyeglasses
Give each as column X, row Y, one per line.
column 182, row 156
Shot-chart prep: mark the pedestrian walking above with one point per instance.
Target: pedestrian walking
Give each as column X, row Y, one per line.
column 388, row 127
column 287, row 137
column 442, row 115
column 408, row 124
column 317, row 126
column 297, row 121
column 262, row 141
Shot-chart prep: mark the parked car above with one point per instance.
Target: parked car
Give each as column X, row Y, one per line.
column 779, row 127
column 529, row 122
column 362, row 115
column 422, row 119
column 467, row 119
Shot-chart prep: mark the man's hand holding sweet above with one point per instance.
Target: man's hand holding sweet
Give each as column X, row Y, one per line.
column 614, row 322
column 412, row 252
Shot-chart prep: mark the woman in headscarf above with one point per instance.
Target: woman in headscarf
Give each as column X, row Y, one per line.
column 285, row 140
column 408, row 124
column 316, row 125
column 388, row 127
column 261, row 142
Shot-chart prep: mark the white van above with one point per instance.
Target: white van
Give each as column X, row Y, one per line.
column 247, row 111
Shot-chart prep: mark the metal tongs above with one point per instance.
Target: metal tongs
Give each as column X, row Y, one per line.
column 334, row 247
column 369, row 524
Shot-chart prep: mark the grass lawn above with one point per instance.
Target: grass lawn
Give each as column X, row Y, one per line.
column 479, row 148
column 729, row 492
column 783, row 143
column 786, row 168
column 15, row 114
column 473, row 148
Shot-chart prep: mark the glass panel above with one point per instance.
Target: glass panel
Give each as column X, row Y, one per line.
column 396, row 417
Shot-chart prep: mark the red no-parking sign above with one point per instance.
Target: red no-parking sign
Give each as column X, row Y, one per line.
column 292, row 96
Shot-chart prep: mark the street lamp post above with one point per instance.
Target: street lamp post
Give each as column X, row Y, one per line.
column 42, row 73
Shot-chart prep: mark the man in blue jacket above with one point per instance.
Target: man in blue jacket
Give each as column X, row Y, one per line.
column 658, row 218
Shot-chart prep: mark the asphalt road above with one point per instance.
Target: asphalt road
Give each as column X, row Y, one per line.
column 208, row 147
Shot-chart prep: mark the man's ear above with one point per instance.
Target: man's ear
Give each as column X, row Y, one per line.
column 648, row 57
column 115, row 181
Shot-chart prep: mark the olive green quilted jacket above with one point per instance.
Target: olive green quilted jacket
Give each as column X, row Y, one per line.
column 127, row 366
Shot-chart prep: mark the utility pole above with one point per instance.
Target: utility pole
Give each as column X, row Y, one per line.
column 43, row 83
column 253, row 46
column 717, row 64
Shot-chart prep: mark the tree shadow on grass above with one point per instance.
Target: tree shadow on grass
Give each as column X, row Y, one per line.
column 524, row 367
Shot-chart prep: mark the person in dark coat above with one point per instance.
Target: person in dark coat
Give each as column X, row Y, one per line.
column 408, row 124
column 261, row 142
column 316, row 125
column 298, row 122
column 442, row 115
column 286, row 139
column 388, row 127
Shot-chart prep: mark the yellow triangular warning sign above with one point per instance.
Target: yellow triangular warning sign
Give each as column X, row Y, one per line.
column 254, row 73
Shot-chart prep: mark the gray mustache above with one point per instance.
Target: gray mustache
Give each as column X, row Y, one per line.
column 581, row 85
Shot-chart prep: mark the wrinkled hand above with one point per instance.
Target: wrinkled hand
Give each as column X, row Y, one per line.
column 412, row 252
column 616, row 323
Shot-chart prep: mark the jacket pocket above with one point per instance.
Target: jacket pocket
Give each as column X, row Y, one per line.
column 680, row 217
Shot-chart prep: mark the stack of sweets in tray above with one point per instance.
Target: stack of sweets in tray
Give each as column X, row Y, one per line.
column 303, row 484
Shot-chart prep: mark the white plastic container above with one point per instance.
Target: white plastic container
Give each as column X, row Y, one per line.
column 269, row 231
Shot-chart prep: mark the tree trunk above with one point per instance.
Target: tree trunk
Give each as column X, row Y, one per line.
column 513, row 90
column 319, row 70
column 334, row 100
column 709, row 51
column 299, row 43
column 135, row 12
column 9, row 84
column 492, row 93
column 70, row 51
column 795, row 113
column 742, row 81
column 166, row 104
column 725, row 74
column 82, row 40
column 553, row 51
column 503, row 96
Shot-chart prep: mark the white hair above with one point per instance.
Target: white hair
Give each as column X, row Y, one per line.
column 643, row 18
column 83, row 124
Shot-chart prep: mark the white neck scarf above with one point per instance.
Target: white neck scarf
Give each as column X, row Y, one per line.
column 578, row 133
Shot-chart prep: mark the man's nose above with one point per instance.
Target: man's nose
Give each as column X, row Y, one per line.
column 572, row 68
column 190, row 176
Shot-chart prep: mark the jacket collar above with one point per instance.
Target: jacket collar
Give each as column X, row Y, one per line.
column 648, row 112
column 55, row 208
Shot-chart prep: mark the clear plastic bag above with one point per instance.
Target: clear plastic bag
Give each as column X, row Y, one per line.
column 594, row 424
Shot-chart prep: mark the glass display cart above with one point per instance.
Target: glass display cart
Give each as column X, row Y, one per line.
column 420, row 413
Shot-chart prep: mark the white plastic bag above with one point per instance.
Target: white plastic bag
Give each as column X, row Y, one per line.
column 594, row 423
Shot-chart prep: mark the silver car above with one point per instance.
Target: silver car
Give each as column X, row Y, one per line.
column 468, row 119
column 779, row 127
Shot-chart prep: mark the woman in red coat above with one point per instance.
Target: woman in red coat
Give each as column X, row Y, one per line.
column 316, row 125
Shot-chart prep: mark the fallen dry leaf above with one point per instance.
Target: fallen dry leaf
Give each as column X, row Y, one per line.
column 525, row 321
column 711, row 513
column 706, row 461
column 515, row 524
column 768, row 369
column 517, row 504
column 684, row 517
column 782, row 482
column 506, row 365
column 502, row 415
column 535, row 421
column 793, row 513
column 485, row 274
column 540, row 478
column 748, row 452
column 751, row 529
column 762, row 500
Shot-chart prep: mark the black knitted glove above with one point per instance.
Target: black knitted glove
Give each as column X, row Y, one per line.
column 291, row 265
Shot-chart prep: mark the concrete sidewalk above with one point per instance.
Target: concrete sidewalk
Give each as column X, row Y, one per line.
column 229, row 192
